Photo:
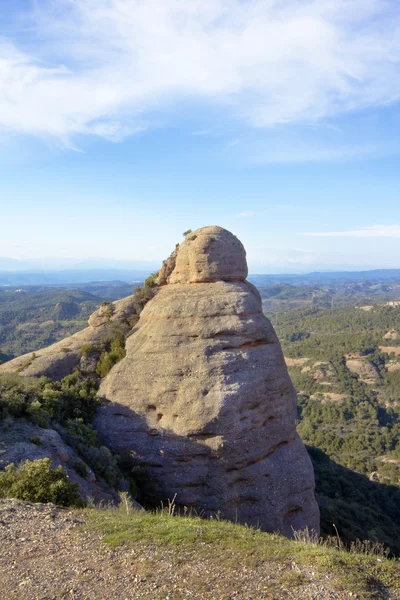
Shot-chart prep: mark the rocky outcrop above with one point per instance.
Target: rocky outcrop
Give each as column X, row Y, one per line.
column 366, row 371
column 204, row 397
column 26, row 441
column 392, row 334
column 60, row 359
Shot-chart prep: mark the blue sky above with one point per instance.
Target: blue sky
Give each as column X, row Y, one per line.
column 125, row 122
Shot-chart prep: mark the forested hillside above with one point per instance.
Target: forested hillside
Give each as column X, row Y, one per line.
column 345, row 365
column 31, row 319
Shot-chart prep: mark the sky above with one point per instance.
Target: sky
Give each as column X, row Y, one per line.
column 124, row 123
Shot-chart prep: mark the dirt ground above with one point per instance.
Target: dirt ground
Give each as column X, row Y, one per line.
column 47, row 555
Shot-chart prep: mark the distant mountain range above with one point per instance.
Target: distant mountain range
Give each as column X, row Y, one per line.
column 329, row 278
column 70, row 276
column 83, row 274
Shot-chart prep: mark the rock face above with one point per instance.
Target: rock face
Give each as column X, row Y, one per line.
column 366, row 371
column 204, row 397
column 392, row 334
column 17, row 446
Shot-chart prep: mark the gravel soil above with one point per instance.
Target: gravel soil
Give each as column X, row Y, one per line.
column 46, row 554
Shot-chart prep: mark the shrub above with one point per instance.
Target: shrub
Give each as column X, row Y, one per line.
column 133, row 320
column 36, row 481
column 80, row 468
column 150, row 281
column 110, row 308
column 34, row 439
column 185, row 233
column 81, row 433
column 103, row 463
column 88, row 349
column 43, row 401
column 108, row 359
column 141, row 297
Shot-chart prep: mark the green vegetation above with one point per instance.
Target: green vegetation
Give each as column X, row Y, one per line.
column 352, row 416
column 33, row 319
column 354, row 432
column 36, row 481
column 151, row 281
column 110, row 357
column 69, row 407
column 349, row 418
column 231, row 545
column 281, row 297
column 88, row 349
column 141, row 297
column 355, row 506
column 331, row 333
column 44, row 402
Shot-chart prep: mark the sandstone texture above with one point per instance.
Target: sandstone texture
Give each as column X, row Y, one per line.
column 392, row 334
column 366, row 371
column 204, row 397
column 60, row 359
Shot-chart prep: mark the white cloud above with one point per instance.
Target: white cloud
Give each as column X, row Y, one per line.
column 387, row 231
column 105, row 67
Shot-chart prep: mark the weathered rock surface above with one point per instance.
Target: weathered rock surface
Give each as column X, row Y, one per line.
column 60, row 359
column 210, row 254
column 204, row 397
column 26, row 441
column 366, row 371
column 392, row 334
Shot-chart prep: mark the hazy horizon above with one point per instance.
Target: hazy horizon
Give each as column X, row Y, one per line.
column 104, row 264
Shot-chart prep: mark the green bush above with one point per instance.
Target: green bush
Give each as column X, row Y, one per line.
column 81, row 433
column 110, row 308
column 80, row 468
column 141, row 297
column 34, row 439
column 110, row 358
column 36, row 481
column 88, row 349
column 43, row 401
column 150, row 282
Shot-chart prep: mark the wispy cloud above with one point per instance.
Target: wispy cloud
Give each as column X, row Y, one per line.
column 387, row 231
column 105, row 67
column 246, row 213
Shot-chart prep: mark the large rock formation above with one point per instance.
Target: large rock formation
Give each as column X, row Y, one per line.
column 204, row 397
